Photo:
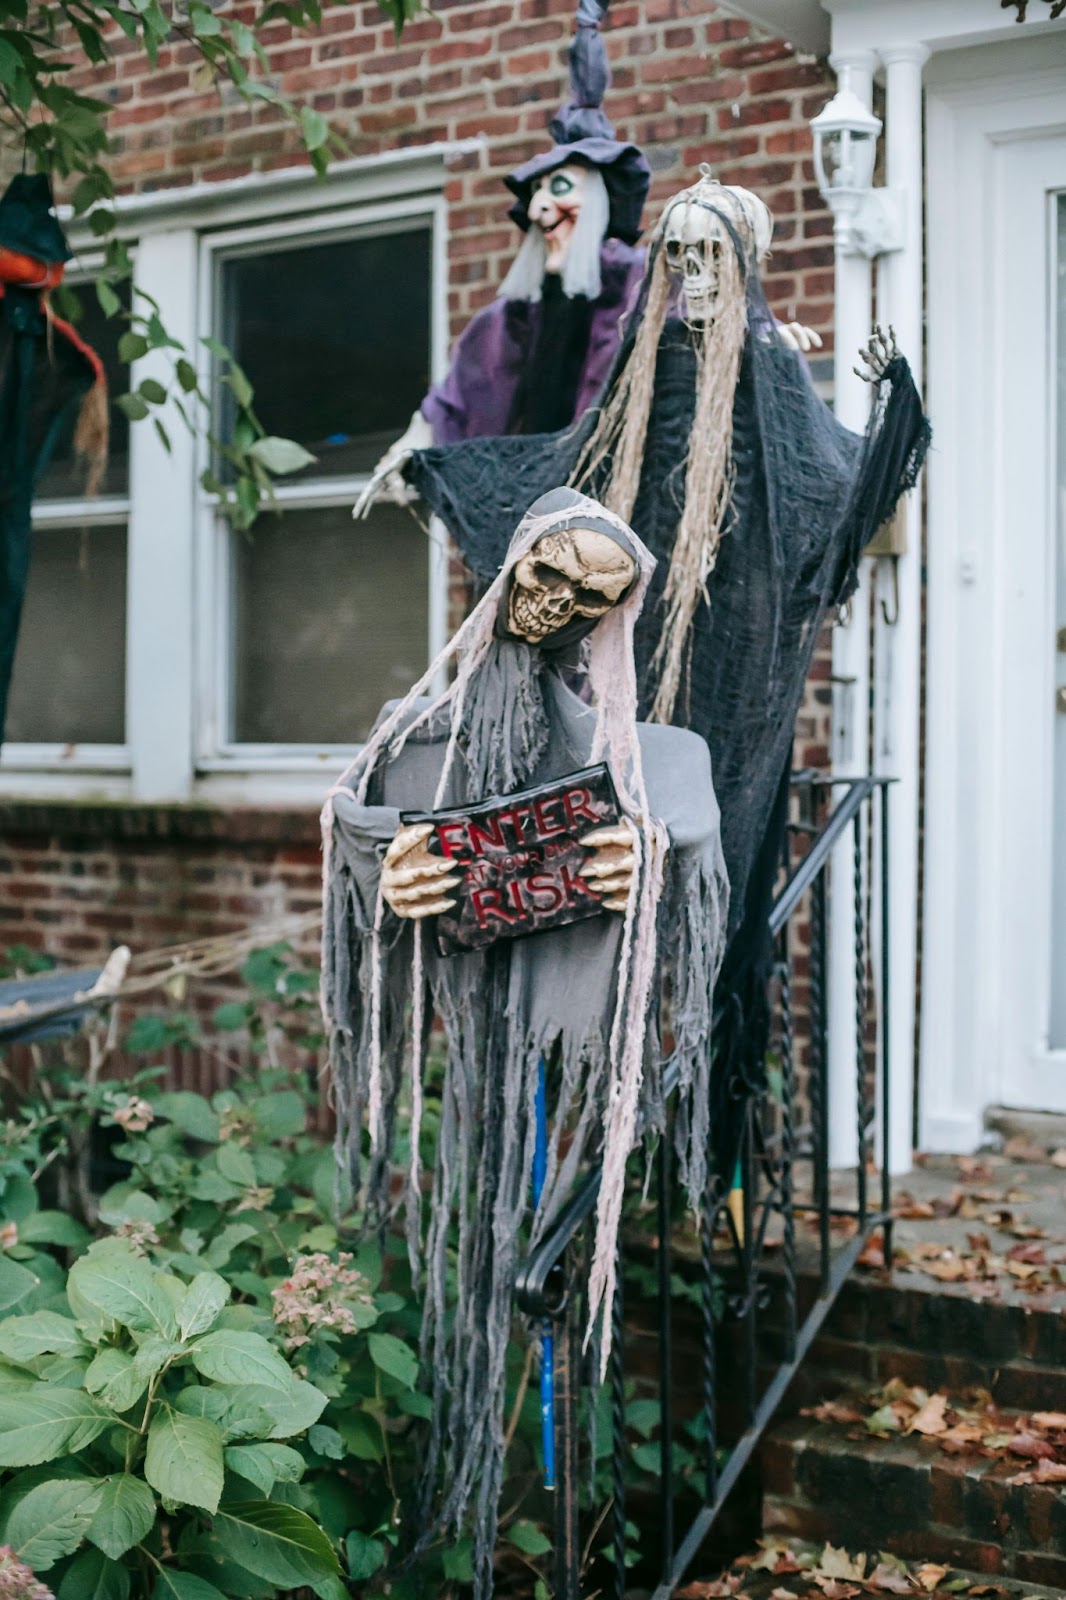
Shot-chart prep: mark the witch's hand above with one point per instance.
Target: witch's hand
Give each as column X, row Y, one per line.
column 878, row 355
column 609, row 870
column 414, row 882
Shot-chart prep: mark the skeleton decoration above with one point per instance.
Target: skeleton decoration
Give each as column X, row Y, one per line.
column 714, row 445
column 581, row 997
column 537, row 357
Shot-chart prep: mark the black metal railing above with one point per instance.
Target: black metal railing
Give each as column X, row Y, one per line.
column 779, row 1229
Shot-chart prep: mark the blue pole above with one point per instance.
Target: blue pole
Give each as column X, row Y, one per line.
column 547, row 1338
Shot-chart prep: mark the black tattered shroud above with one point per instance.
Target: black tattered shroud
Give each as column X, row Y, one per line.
column 44, row 378
column 807, row 498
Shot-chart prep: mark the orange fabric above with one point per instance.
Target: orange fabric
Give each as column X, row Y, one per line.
column 27, row 271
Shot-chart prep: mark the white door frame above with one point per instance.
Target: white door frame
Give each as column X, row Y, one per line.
column 996, row 141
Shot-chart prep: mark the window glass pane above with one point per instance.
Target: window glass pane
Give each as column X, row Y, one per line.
column 69, row 683
column 64, row 478
column 331, row 621
column 335, row 339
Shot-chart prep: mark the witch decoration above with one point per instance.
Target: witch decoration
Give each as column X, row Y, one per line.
column 51, row 382
column 524, row 800
column 540, row 353
column 711, row 440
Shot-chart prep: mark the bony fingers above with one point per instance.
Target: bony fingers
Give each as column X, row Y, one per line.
column 426, row 872
column 616, row 904
column 436, row 909
column 612, row 886
column 603, row 836
column 422, row 891
column 609, row 868
column 407, row 838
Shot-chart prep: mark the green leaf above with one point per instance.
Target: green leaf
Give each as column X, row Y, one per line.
column 528, row 1538
column 242, row 389
column 53, row 1227
column 134, row 407
column 110, row 304
column 123, row 1203
column 186, row 375
column 231, row 1356
column 366, row 1556
column 121, row 1285
column 644, row 1416
column 204, row 1299
column 280, row 455
column 280, row 1116
column 277, row 1542
column 154, row 1354
column 39, row 1423
column 326, row 1442
column 884, row 1421
column 113, row 1376
column 236, row 1165
column 43, row 1333
column 290, row 1411
column 132, row 346
column 234, row 1014
column 153, row 391
column 264, row 1465
column 458, row 1562
column 93, row 1577
column 415, row 1405
column 315, row 128
column 191, row 1113
column 391, row 1355
column 184, row 1459
column 16, row 1283
column 123, row 1517
column 171, row 1585
column 51, row 1521
column 362, row 1436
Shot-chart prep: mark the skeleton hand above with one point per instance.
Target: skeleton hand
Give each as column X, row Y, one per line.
column 414, row 882
column 798, row 337
column 386, row 481
column 610, row 871
column 877, row 355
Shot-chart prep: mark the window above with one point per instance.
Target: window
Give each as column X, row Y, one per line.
column 165, row 657
column 68, row 688
column 322, row 619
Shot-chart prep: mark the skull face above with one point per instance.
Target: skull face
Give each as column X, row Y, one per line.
column 554, row 207
column 575, row 573
column 694, row 238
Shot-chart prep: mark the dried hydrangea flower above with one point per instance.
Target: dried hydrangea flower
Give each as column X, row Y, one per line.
column 17, row 1582
column 320, row 1293
column 135, row 1116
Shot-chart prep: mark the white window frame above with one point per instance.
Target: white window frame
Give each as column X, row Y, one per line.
column 176, row 601
column 218, row 755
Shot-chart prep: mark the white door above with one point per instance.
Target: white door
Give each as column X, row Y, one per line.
column 994, row 968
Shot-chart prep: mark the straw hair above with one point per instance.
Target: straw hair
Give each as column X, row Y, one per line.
column 621, row 432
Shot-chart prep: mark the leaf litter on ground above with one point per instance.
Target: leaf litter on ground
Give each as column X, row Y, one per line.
column 833, row 1573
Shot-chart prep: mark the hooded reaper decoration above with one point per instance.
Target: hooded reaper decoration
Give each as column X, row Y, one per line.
column 50, row 380
column 538, row 356
column 712, row 442
column 584, row 998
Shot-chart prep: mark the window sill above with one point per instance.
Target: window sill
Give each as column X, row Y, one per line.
column 91, row 821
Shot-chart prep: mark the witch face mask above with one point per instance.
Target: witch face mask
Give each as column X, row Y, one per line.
column 555, row 207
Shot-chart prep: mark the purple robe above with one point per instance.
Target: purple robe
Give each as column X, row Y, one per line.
column 475, row 397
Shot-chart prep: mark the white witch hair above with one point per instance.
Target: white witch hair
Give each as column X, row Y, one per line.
column 612, row 679
column 581, row 268
column 623, row 424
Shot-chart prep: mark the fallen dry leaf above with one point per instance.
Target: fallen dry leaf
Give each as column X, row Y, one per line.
column 726, row 1586
column 1058, row 1158
column 912, row 1210
column 930, row 1419
column 834, row 1563
column 1051, row 1421
column 1033, row 1254
column 833, row 1411
column 979, row 1242
column 1031, row 1447
column 889, row 1579
column 1021, row 1148
column 873, row 1256
column 834, row 1589
column 931, row 1577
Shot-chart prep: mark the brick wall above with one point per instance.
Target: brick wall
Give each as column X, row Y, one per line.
column 691, row 85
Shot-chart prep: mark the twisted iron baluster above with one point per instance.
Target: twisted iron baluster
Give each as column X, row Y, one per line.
column 708, row 1214
column 787, row 1146
column 666, row 1423
column 860, row 1016
column 819, row 1072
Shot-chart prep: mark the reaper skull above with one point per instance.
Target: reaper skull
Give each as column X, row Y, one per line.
column 574, row 573
column 554, row 208
column 694, row 237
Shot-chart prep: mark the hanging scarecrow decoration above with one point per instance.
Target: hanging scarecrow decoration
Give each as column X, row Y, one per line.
column 757, row 504
column 608, row 832
column 50, row 381
column 540, row 353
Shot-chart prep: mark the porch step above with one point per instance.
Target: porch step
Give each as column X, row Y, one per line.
column 826, row 1481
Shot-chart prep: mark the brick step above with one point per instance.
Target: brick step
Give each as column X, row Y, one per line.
column 909, row 1326
column 825, row 1481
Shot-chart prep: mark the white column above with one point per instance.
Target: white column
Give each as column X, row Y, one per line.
column 851, row 652
column 159, row 672
column 897, row 694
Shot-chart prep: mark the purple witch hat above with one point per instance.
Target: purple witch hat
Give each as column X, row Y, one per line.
column 583, row 133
